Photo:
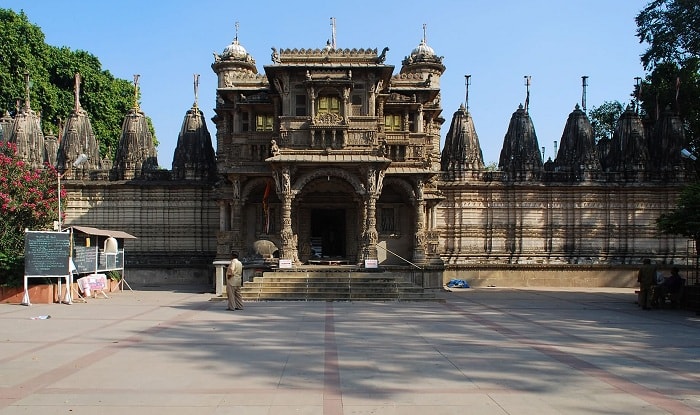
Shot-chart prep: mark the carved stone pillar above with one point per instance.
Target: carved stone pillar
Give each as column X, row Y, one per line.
column 236, row 231
column 419, row 119
column 236, row 218
column 347, row 112
column 289, row 239
column 421, row 235
column 380, row 115
column 312, row 102
column 371, row 235
column 223, row 216
column 288, row 250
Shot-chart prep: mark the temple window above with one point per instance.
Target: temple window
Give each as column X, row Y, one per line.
column 264, row 122
column 397, row 152
column 387, row 220
column 412, row 124
column 300, row 105
column 393, row 122
column 244, row 122
column 328, row 104
column 357, row 104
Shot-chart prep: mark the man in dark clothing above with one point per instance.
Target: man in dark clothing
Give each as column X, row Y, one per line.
column 671, row 285
column 647, row 281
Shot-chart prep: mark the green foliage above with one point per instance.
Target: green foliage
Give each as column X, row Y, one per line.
column 604, row 117
column 659, row 90
column 491, row 166
column 670, row 27
column 28, row 200
column 685, row 218
column 11, row 270
column 52, row 70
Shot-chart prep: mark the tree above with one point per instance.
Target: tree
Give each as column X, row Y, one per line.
column 604, row 117
column 28, row 200
column 670, row 28
column 677, row 88
column 52, row 70
column 685, row 218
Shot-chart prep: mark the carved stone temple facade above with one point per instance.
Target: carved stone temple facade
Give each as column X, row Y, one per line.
column 332, row 156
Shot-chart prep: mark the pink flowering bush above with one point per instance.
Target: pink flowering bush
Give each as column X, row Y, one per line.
column 28, row 200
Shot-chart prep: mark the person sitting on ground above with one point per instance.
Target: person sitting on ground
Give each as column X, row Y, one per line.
column 670, row 285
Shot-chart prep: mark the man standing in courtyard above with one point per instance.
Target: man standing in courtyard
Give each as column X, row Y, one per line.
column 234, row 281
column 647, row 281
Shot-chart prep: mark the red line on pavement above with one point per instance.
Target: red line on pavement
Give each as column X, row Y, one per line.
column 648, row 395
column 10, row 395
column 332, row 395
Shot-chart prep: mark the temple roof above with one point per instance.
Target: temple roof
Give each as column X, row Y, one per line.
column 628, row 148
column 577, row 144
column 462, row 150
column 194, row 157
column 520, row 151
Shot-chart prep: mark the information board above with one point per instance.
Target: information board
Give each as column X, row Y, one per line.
column 85, row 259
column 46, row 253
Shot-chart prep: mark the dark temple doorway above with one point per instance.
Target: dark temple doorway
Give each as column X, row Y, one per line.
column 328, row 233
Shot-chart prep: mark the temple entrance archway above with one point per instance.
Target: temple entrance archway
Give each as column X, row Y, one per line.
column 328, row 233
column 327, row 214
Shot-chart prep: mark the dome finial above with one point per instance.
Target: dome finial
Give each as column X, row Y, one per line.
column 196, row 89
column 425, row 36
column 27, row 86
column 77, row 91
column 237, row 26
column 467, row 79
column 136, row 90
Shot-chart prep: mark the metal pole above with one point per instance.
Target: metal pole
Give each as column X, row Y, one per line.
column 59, row 201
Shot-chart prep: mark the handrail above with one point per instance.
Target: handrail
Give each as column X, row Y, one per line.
column 398, row 256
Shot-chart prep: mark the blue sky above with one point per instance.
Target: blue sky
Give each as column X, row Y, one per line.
column 496, row 42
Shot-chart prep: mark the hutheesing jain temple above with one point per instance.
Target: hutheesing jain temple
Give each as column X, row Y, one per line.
column 330, row 156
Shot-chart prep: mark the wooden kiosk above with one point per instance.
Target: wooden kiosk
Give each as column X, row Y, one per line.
column 95, row 252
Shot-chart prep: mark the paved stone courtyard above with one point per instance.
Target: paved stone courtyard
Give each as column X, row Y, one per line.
column 478, row 351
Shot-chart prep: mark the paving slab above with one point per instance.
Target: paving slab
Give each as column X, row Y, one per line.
column 480, row 351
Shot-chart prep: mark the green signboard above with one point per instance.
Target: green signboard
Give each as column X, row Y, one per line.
column 46, row 253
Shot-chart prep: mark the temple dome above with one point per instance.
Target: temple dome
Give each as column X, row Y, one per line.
column 422, row 51
column 235, row 50
column 423, row 59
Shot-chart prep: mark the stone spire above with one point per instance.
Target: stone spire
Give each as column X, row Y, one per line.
column 577, row 151
column 136, row 154
column 628, row 149
column 194, row 157
column 78, row 138
column 6, row 126
column 667, row 142
column 520, row 156
column 26, row 133
column 462, row 151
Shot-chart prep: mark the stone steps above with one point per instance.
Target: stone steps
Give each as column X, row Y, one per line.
column 332, row 286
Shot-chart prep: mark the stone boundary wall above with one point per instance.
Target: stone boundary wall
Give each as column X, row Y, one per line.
column 175, row 223
column 546, row 225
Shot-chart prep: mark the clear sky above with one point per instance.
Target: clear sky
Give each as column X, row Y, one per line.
column 496, row 42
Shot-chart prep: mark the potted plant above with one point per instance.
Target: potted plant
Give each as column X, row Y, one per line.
column 114, row 278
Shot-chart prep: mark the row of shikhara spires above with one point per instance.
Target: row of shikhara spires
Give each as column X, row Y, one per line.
column 638, row 149
column 136, row 156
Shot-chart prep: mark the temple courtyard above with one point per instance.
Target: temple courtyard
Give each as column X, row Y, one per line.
column 165, row 350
